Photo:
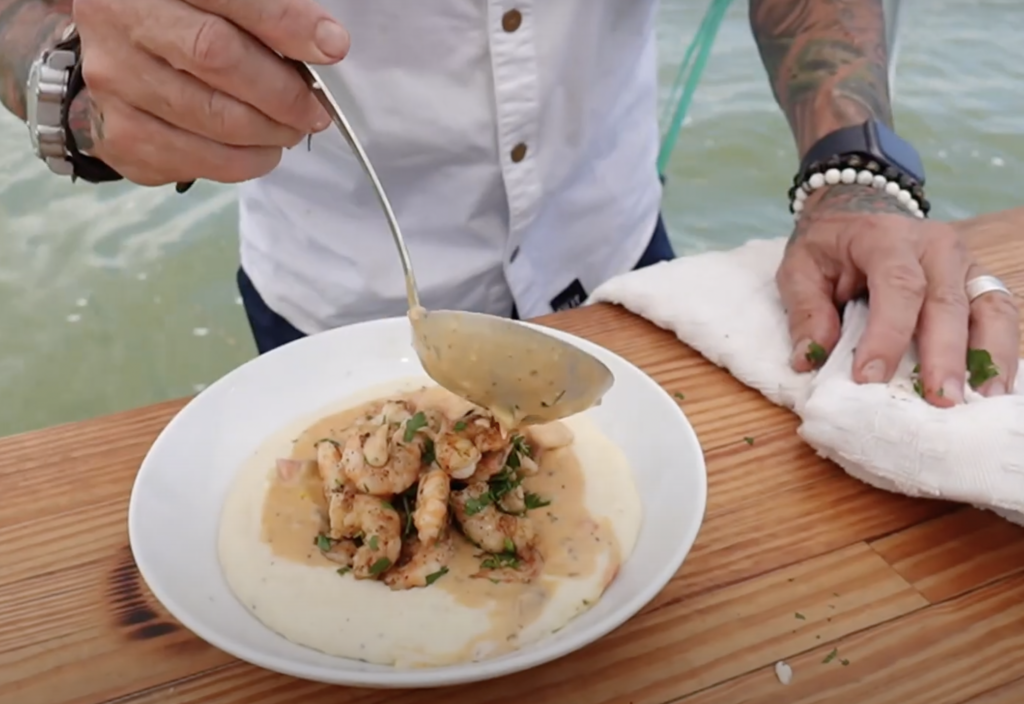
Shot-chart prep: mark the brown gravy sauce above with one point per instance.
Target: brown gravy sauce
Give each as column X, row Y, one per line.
column 570, row 539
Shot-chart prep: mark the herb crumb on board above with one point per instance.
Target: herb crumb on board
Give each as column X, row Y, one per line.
column 800, row 616
column 749, row 440
column 680, row 395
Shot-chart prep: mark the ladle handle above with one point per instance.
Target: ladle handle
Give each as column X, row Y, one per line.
column 323, row 94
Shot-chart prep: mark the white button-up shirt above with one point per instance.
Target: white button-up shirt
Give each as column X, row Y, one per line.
column 516, row 139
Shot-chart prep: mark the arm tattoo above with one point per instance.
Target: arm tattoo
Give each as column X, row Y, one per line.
column 827, row 62
column 26, row 28
column 85, row 120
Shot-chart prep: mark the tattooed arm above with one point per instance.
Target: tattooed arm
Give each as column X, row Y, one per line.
column 828, row 63
column 26, row 28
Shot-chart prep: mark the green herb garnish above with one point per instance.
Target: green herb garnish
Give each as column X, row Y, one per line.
column 414, row 424
column 500, row 560
column 372, row 542
column 816, row 354
column 428, row 456
column 679, row 396
column 844, row 662
column 800, row 616
column 344, row 570
column 386, row 504
column 749, row 440
column 980, row 367
column 831, row 656
column 475, row 506
column 379, row 566
column 459, row 426
column 433, row 577
column 534, row 501
column 323, row 542
column 509, row 545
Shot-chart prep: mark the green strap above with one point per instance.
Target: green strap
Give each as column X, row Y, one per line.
column 688, row 78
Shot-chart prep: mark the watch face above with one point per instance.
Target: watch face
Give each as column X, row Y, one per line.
column 899, row 153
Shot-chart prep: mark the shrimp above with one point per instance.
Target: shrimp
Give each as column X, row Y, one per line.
column 486, row 526
column 514, row 501
column 342, row 552
column 378, row 460
column 456, row 455
column 372, row 521
column 490, row 464
column 422, row 562
column 339, row 505
column 431, row 514
column 328, row 462
column 393, row 412
column 483, row 430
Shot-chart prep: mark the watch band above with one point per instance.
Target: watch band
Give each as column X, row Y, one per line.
column 871, row 140
column 84, row 167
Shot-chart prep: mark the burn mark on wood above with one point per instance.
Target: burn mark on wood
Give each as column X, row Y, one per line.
column 132, row 606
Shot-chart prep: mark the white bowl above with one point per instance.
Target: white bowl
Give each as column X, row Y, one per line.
column 175, row 509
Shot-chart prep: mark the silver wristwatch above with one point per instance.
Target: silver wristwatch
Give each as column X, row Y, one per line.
column 44, row 99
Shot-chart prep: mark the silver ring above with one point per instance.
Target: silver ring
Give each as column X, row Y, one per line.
column 980, row 285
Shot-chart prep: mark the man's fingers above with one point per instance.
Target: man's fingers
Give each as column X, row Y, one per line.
column 943, row 324
column 177, row 97
column 807, row 296
column 150, row 152
column 227, row 59
column 298, row 29
column 994, row 342
column 896, row 287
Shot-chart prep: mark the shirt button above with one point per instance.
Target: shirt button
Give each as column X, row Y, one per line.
column 518, row 153
column 511, row 20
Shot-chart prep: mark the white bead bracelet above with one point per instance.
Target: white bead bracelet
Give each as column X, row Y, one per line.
column 849, row 175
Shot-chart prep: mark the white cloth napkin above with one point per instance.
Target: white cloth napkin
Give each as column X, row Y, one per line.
column 725, row 305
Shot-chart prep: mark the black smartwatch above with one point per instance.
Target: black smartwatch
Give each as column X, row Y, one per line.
column 870, row 154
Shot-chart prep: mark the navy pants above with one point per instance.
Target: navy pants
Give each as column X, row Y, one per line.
column 270, row 330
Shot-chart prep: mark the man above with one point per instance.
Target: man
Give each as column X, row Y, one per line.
column 517, row 140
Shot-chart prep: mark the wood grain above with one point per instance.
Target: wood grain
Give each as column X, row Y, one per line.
column 656, row 657
column 924, row 600
column 956, row 553
column 943, row 654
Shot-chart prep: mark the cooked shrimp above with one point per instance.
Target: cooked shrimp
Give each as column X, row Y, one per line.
column 490, row 464
column 431, row 514
column 456, row 454
column 342, row 552
column 422, row 562
column 378, row 461
column 393, row 412
column 486, row 526
column 514, row 501
column 506, row 567
column 339, row 505
column 379, row 527
column 328, row 462
column 483, row 430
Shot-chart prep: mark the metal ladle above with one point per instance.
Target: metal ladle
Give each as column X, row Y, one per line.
column 520, row 374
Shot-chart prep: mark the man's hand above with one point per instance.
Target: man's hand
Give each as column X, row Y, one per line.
column 180, row 90
column 853, row 239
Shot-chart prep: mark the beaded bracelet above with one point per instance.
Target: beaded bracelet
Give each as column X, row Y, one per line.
column 865, row 172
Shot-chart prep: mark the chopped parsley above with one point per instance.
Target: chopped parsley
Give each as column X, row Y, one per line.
column 980, row 367
column 323, row 542
column 372, row 542
column 534, row 501
column 509, row 545
column 680, row 396
column 379, row 566
column 502, row 483
column 434, row 576
column 459, row 426
column 749, row 440
column 816, row 354
column 800, row 616
column 915, row 376
column 344, row 570
column 501, row 560
column 387, row 504
column 414, row 424
column 475, row 506
column 831, row 656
